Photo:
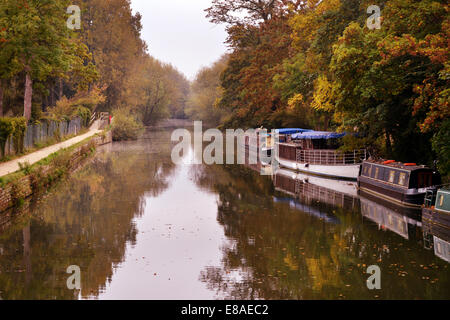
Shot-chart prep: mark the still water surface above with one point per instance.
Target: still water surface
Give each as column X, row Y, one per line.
column 141, row 227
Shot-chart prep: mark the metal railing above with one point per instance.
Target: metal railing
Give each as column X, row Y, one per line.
column 331, row 157
column 93, row 118
column 104, row 116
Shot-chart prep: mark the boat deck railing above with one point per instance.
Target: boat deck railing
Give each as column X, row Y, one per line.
column 330, row 157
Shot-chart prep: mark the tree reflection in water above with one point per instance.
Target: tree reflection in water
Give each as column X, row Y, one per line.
column 280, row 252
column 87, row 222
column 287, row 241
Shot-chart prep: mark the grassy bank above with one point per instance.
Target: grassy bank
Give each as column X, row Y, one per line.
column 39, row 177
column 40, row 146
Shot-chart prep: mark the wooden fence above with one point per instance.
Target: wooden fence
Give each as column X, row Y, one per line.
column 43, row 132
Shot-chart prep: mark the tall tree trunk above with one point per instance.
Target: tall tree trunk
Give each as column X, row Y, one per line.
column 28, row 95
column 52, row 94
column 1, row 98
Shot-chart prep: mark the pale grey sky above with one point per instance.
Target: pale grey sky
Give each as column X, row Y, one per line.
column 177, row 32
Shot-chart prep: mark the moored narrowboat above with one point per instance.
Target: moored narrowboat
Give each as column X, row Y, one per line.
column 317, row 153
column 259, row 146
column 436, row 213
column 402, row 183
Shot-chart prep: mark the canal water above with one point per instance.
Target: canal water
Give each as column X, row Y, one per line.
column 140, row 227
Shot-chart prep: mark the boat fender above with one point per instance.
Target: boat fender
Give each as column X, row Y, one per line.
column 307, row 165
column 410, row 164
column 389, row 162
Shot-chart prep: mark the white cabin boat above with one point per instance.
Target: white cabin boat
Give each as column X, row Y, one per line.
column 317, row 153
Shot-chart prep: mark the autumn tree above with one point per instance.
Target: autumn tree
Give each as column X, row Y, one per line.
column 153, row 90
column 388, row 83
column 37, row 32
column 111, row 33
column 259, row 36
column 8, row 61
column 246, row 12
column 180, row 92
column 205, row 91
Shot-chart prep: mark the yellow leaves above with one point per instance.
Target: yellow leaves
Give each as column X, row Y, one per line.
column 328, row 5
column 322, row 95
column 306, row 24
column 290, row 262
column 295, row 101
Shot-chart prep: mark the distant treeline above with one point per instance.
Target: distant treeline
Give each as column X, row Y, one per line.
column 48, row 69
column 325, row 65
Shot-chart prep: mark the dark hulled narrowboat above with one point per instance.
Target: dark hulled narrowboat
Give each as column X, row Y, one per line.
column 402, row 183
column 436, row 213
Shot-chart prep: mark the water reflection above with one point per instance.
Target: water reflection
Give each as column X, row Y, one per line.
column 402, row 221
column 88, row 222
column 285, row 253
column 142, row 228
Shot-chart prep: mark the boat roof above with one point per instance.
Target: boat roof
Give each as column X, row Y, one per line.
column 292, row 130
column 398, row 165
column 317, row 135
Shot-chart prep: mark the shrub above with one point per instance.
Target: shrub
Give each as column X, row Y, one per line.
column 15, row 128
column 25, row 167
column 63, row 109
column 6, row 130
column 20, row 127
column 85, row 115
column 89, row 99
column 125, row 127
column 441, row 146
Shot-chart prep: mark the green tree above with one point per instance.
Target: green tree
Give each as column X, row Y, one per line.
column 205, row 92
column 37, row 32
column 389, row 83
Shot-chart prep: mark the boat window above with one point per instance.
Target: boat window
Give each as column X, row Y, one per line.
column 392, row 176
column 382, row 174
column 439, row 248
column 425, row 179
column 377, row 173
column 372, row 172
column 366, row 170
column 385, row 176
column 402, row 179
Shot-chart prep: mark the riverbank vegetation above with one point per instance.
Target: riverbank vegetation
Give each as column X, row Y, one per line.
column 51, row 71
column 205, row 91
column 54, row 161
column 39, row 177
column 317, row 64
column 125, row 127
column 313, row 64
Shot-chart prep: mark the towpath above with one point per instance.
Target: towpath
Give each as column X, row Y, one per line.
column 13, row 165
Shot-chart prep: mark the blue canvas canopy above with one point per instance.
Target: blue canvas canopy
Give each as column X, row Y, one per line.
column 317, row 135
column 292, row 131
column 308, row 210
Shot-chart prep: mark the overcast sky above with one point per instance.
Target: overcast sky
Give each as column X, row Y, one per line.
column 177, row 32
